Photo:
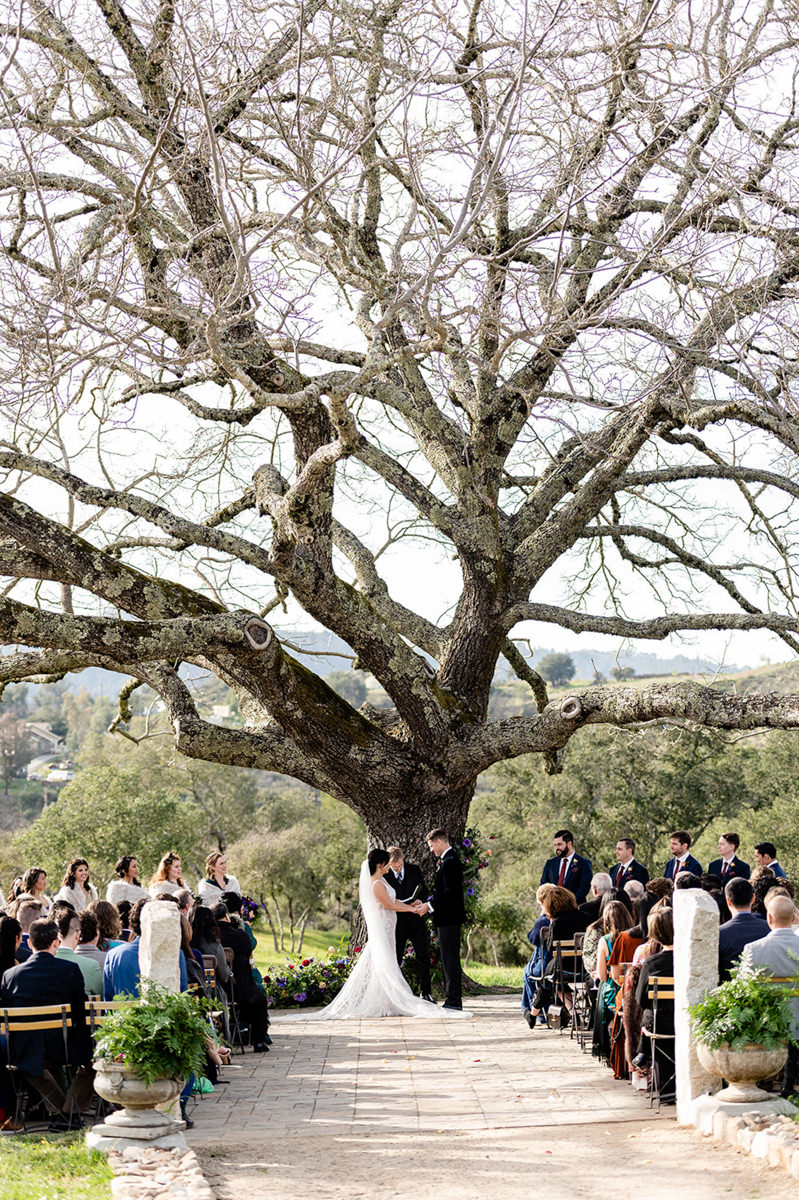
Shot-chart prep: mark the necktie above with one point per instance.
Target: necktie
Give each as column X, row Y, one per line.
column 725, row 869
column 399, row 877
column 562, row 872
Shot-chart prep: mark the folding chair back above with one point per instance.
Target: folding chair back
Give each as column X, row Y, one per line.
column 41, row 1018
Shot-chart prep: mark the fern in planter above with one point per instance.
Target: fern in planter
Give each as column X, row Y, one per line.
column 163, row 1037
column 746, row 1010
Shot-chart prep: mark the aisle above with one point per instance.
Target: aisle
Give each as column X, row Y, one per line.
column 410, row 1108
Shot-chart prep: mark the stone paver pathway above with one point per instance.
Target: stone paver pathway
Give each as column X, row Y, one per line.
column 455, row 1108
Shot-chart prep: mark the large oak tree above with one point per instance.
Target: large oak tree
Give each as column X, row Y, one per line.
column 524, row 279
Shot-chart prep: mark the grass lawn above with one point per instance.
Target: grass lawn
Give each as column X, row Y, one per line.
column 55, row 1167
column 315, row 945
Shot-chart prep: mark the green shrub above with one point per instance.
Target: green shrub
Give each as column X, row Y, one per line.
column 746, row 1010
column 162, row 1037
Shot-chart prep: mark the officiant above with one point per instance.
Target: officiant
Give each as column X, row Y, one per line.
column 406, row 880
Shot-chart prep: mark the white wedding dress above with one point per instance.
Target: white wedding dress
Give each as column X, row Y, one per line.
column 376, row 986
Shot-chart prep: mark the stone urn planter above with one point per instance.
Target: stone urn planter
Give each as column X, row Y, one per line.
column 743, row 1069
column 139, row 1122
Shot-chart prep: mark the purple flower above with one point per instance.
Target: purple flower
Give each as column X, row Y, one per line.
column 470, row 891
column 467, row 843
column 299, row 997
column 281, row 983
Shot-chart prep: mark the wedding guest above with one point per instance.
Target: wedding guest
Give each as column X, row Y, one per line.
column 634, row 888
column 729, row 866
column 216, row 881
column 205, row 939
column 27, row 912
column 68, row 925
column 661, row 930
column 615, row 919
column 534, row 971
column 568, row 869
column 627, row 867
column 76, row 887
column 109, row 924
column 10, row 942
column 34, row 887
column 168, row 876
column 660, row 887
column 185, row 901
column 566, row 919
column 89, row 936
column 251, row 1000
column 126, row 886
column 762, row 886
column 743, row 927
column 680, row 844
column 14, row 891
column 601, row 884
column 766, row 856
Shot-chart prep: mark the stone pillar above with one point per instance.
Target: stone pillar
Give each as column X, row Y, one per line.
column 159, row 948
column 696, row 971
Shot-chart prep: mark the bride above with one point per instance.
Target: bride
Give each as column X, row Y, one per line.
column 376, row 986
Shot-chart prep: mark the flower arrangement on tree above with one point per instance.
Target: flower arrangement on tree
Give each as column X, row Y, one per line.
column 309, row 982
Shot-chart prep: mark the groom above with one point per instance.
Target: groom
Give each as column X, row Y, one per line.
column 448, row 912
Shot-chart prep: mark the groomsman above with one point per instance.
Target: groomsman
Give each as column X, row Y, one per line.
column 567, row 869
column 679, row 844
column 627, row 868
column 407, row 882
column 729, row 866
column 449, row 913
column 765, row 856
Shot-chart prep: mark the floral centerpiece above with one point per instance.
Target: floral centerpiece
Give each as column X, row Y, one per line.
column 308, row 982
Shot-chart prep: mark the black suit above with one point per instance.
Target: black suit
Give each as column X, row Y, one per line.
column 633, row 870
column 411, row 928
column 449, row 913
column 739, row 931
column 738, row 869
column 251, row 1000
column 45, row 979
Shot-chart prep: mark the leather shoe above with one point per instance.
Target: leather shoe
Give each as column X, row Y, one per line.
column 260, row 1048
column 457, row 1007
column 529, row 1018
column 426, row 996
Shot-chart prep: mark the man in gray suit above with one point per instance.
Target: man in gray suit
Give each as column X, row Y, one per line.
column 778, row 954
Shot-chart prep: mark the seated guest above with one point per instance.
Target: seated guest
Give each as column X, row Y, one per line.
column 76, row 887
column 776, row 954
column 205, row 939
column 34, row 887
column 216, row 880
column 593, row 934
column 566, row 919
column 251, row 1000
column 615, row 919
column 743, row 927
column 601, row 884
column 126, row 886
column 628, row 940
column 69, row 931
column 46, row 979
column 762, row 886
column 27, row 912
column 729, row 866
column 89, row 936
column 109, row 924
column 634, row 888
column 185, row 901
column 168, row 875
column 627, row 867
column 123, row 908
column 766, row 856
column 660, row 887
column 661, row 930
column 679, row 844
column 10, row 941
column 534, row 971
column 121, row 975
column 686, row 880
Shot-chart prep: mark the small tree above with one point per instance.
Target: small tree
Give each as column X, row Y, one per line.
column 15, row 747
column 557, row 668
column 623, row 673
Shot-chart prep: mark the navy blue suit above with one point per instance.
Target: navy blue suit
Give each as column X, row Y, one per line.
column 738, row 869
column 743, row 928
column 633, row 870
column 691, row 864
column 777, row 869
column 578, row 876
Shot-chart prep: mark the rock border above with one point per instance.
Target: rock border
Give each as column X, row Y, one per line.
column 772, row 1137
column 151, row 1173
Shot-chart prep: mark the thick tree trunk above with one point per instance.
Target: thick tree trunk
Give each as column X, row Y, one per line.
column 406, row 825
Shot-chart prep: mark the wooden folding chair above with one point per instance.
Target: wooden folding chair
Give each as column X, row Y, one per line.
column 41, row 1018
column 660, row 988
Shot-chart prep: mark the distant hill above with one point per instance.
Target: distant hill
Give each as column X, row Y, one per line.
column 324, row 652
